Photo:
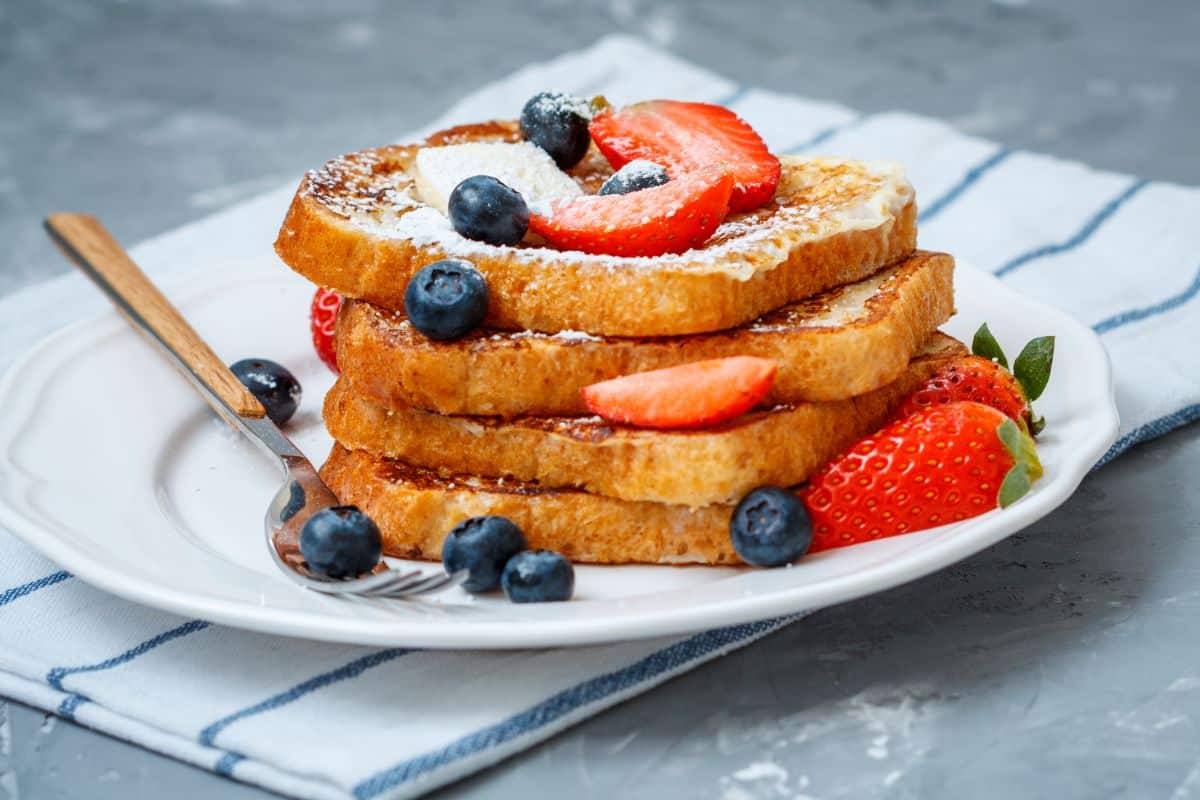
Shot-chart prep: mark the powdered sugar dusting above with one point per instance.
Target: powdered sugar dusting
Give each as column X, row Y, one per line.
column 640, row 168
column 561, row 102
column 816, row 198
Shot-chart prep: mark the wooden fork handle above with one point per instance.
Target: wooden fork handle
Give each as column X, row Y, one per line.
column 93, row 249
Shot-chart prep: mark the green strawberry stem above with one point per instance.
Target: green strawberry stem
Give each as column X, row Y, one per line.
column 1025, row 469
column 985, row 345
column 1032, row 367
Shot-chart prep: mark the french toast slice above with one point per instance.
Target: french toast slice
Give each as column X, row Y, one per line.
column 844, row 342
column 357, row 225
column 778, row 446
column 415, row 508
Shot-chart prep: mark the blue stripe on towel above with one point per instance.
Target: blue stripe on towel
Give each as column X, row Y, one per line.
column 820, row 137
column 350, row 670
column 55, row 676
column 17, row 592
column 1081, row 236
column 1151, row 430
column 67, row 708
column 1138, row 314
column 966, row 182
column 556, row 707
column 227, row 762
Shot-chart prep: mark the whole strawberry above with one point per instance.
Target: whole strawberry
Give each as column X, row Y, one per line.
column 322, row 319
column 985, row 378
column 940, row 465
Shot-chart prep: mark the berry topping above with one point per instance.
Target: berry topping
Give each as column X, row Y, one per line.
column 446, row 299
column 538, row 576
column 635, row 176
column 340, row 542
column 482, row 546
column 770, row 527
column 984, row 378
column 486, row 210
column 322, row 320
column 688, row 396
column 943, row 464
column 558, row 123
column 686, row 136
column 274, row 386
column 671, row 218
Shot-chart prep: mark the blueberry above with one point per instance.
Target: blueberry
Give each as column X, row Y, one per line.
column 274, row 386
column 538, row 576
column 770, row 527
column 446, row 299
column 340, row 542
column 482, row 546
column 486, row 210
column 557, row 123
column 635, row 176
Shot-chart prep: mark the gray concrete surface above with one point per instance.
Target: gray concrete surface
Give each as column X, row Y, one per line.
column 1061, row 663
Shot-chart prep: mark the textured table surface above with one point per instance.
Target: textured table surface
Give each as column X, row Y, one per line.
column 1064, row 662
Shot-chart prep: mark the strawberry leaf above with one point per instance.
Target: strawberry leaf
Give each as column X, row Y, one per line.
column 1032, row 367
column 986, row 346
column 1010, row 435
column 1025, row 468
column 1015, row 486
column 1021, row 447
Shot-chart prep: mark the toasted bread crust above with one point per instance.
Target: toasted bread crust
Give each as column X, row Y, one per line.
column 821, row 357
column 415, row 508
column 341, row 233
column 781, row 446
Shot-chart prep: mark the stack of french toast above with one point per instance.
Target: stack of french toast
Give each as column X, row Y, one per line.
column 610, row 340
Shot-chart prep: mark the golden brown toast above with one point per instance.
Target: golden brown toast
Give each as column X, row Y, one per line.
column 415, row 508
column 357, row 226
column 841, row 343
column 779, row 446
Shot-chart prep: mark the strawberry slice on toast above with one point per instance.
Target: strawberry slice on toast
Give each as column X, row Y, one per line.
column 671, row 218
column 684, row 137
column 688, row 396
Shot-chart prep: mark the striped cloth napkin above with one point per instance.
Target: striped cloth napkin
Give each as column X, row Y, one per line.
column 334, row 721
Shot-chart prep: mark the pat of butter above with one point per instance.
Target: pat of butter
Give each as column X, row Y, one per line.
column 521, row 165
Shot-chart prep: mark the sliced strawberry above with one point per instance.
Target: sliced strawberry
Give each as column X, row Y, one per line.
column 322, row 319
column 688, row 396
column 671, row 218
column 686, row 136
column 943, row 464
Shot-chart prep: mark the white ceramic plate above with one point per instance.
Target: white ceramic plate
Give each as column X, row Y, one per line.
column 113, row 467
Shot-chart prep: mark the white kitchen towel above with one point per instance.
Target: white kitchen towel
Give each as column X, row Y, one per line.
column 336, row 721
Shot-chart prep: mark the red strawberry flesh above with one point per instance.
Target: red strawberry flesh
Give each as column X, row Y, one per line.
column 684, row 137
column 322, row 321
column 672, row 218
column 687, row 396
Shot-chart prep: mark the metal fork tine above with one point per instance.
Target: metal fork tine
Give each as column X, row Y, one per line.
column 403, row 587
column 380, row 582
column 433, row 583
column 398, row 583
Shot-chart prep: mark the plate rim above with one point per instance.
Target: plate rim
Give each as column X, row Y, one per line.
column 498, row 634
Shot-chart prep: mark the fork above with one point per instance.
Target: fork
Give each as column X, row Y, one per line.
column 91, row 248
